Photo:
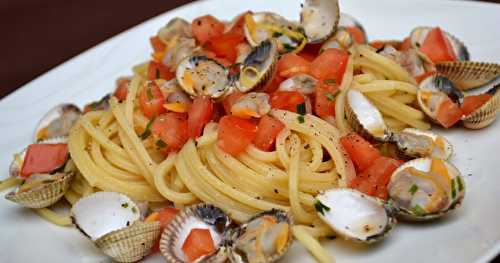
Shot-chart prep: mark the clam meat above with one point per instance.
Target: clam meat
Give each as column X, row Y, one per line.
column 415, row 143
column 200, row 75
column 57, row 122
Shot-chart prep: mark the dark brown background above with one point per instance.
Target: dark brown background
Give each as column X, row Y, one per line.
column 37, row 35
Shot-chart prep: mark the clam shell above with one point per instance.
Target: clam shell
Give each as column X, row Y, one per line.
column 467, row 74
column 418, row 35
column 280, row 216
column 268, row 18
column 347, row 20
column 45, row 196
column 267, row 54
column 52, row 115
column 319, row 19
column 405, row 154
column 201, row 215
column 485, row 115
column 215, row 74
column 132, row 243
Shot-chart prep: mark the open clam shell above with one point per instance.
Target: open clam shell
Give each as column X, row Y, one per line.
column 45, row 194
column 258, row 66
column 355, row 215
column 467, row 74
column 57, row 122
column 419, row 34
column 365, row 118
column 414, row 143
column 348, row 21
column 486, row 114
column 198, row 216
column 342, row 39
column 319, row 19
column 425, row 189
column 200, row 75
column 111, row 220
column 272, row 227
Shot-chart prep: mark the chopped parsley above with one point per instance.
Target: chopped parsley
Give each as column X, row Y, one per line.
column 320, row 207
column 147, row 131
column 301, row 108
column 413, row 189
column 453, row 189
column 161, row 144
column 460, row 184
column 288, row 47
column 149, row 93
column 277, row 34
column 301, row 119
column 330, row 82
column 331, row 97
column 125, row 205
column 418, row 210
column 134, row 210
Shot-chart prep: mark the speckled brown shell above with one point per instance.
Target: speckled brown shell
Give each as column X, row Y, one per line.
column 485, row 115
column 467, row 74
column 132, row 243
column 46, row 196
column 269, row 71
column 356, row 126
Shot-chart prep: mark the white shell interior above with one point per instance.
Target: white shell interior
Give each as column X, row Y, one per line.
column 319, row 18
column 190, row 223
column 353, row 214
column 448, row 147
column 368, row 115
column 103, row 212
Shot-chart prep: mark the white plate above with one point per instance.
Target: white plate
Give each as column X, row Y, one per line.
column 471, row 234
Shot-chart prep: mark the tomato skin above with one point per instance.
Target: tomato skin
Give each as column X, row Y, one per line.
column 292, row 64
column 206, row 27
column 164, row 216
column 224, row 46
column 43, row 158
column 286, row 100
column 237, row 28
column 151, row 100
column 198, row 243
column 361, row 152
column 374, row 180
column 448, row 113
column 437, row 47
column 199, row 114
column 472, row 103
column 157, row 44
column 273, row 85
column 423, row 76
column 235, row 134
column 268, row 130
column 121, row 89
column 172, row 129
column 230, row 100
column 157, row 70
column 357, row 34
column 330, row 64
column 406, row 44
column 323, row 106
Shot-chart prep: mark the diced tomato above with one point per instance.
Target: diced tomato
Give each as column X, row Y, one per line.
column 324, row 102
column 437, row 46
column 361, row 152
column 373, row 181
column 206, row 27
column 268, row 130
column 472, row 103
column 224, row 46
column 164, row 216
column 307, row 56
column 151, row 100
column 448, row 113
column 292, row 64
column 157, row 70
column 274, row 84
column 230, row 100
column 421, row 77
column 44, row 158
column 172, row 129
column 406, row 44
column 157, row 44
column 122, row 89
column 198, row 243
column 357, row 34
column 235, row 134
column 199, row 114
column 330, row 64
column 237, row 28
column 286, row 100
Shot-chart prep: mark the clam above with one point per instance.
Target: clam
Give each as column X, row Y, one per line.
column 319, row 19
column 258, row 66
column 485, row 114
column 365, row 118
column 355, row 215
column 408, row 59
column 348, row 21
column 200, row 75
column 303, row 83
column 419, row 34
column 342, row 39
column 102, row 104
column 176, row 27
column 252, row 104
column 263, row 239
column 467, row 74
column 112, row 221
column 415, row 143
column 263, row 26
column 202, row 216
column 426, row 188
column 57, row 122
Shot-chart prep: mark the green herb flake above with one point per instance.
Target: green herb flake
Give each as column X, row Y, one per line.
column 277, row 34
column 161, row 144
column 301, row 119
column 460, row 184
column 413, row 189
column 453, row 189
column 134, row 210
column 418, row 210
column 320, row 207
column 288, row 47
column 125, row 205
column 330, row 82
column 149, row 93
column 147, row 131
column 301, row 108
column 332, row 96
